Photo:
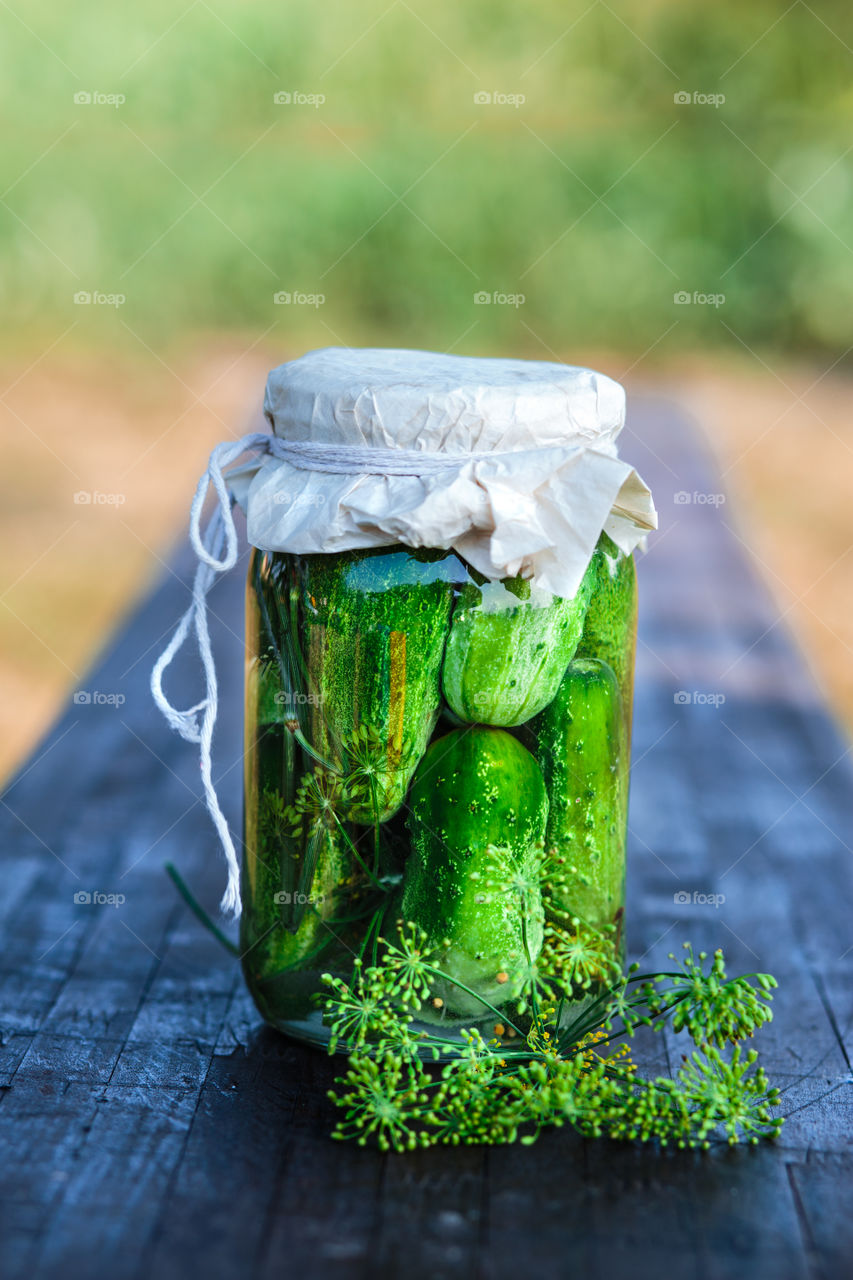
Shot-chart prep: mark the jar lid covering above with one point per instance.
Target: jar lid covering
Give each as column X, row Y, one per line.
column 425, row 401
column 527, row 474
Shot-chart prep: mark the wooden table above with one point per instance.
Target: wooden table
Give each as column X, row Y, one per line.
column 149, row 1125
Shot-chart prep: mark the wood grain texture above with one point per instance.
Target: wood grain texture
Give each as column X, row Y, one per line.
column 150, row 1126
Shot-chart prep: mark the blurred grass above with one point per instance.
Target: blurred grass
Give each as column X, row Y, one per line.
column 399, row 197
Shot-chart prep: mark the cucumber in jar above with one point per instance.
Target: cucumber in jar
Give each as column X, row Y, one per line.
column 291, row 883
column 478, row 814
column 369, row 630
column 275, row 955
column 508, row 647
column 580, row 742
column 610, row 626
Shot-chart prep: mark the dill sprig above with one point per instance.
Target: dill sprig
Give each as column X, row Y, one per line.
column 409, row 1085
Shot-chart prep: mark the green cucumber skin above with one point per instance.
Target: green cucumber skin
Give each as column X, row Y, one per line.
column 372, row 631
column 610, row 628
column 580, row 742
column 278, row 935
column 271, row 761
column 506, row 653
column 475, row 788
column 267, row 946
column 270, row 698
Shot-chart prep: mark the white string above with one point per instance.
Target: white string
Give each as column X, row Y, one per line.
column 216, row 550
column 221, row 533
column 335, row 459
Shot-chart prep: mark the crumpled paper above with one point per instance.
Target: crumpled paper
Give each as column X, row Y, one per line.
column 538, row 513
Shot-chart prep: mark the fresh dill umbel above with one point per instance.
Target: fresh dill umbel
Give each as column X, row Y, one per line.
column 552, row 1063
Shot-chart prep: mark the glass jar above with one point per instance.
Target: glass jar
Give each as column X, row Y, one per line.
column 425, row 745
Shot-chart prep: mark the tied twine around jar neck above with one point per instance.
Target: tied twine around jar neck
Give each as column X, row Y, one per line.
column 216, row 549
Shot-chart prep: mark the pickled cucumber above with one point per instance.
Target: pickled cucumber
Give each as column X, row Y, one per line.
column 478, row 813
column 610, row 626
column 371, row 628
column 508, row 647
column 580, row 742
column 291, row 885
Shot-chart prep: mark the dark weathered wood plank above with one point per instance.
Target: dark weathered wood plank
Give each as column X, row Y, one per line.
column 539, row 1210
column 439, row 1208
column 242, row 1131
column 821, row 1188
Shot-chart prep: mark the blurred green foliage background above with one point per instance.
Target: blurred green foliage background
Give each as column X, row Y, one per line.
column 580, row 165
column 399, row 196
